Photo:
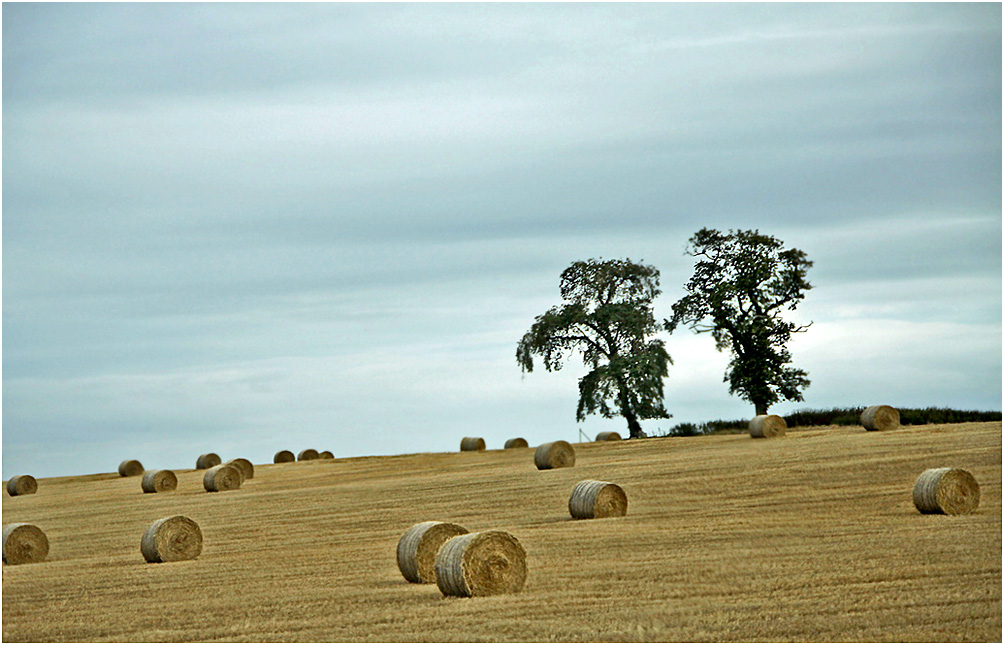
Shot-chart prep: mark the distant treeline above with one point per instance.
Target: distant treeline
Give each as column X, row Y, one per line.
column 833, row 416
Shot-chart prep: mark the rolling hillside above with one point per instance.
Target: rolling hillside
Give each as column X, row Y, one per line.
column 811, row 537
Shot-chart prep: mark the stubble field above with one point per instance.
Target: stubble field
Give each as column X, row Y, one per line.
column 811, row 537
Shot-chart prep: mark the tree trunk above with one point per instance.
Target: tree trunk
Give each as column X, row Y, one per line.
column 761, row 408
column 627, row 410
column 634, row 428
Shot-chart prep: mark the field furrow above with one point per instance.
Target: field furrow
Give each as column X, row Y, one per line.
column 811, row 537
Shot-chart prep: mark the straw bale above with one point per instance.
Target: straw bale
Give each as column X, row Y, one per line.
column 481, row 564
column 221, row 478
column 172, row 539
column 518, row 442
column 608, row 436
column 130, row 468
column 207, row 461
column 24, row 544
column 307, row 455
column 949, row 491
column 593, row 499
column 243, row 465
column 880, row 417
column 159, row 481
column 240, row 474
column 767, row 426
column 326, row 454
column 470, row 444
column 22, row 485
column 554, row 454
column 283, row 457
column 417, row 549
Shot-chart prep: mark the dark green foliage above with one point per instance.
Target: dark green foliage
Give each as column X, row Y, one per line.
column 684, row 430
column 741, row 283
column 831, row 417
column 835, row 417
column 719, row 426
column 907, row 416
column 945, row 415
column 608, row 319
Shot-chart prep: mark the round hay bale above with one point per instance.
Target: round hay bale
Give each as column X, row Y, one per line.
column 159, row 481
column 554, row 454
column 243, row 465
column 208, row 460
column 481, row 564
column 518, row 442
column 22, row 485
column 592, row 499
column 240, row 474
column 608, row 436
column 949, row 491
column 307, row 455
column 171, row 539
column 472, row 444
column 24, row 544
column 417, row 549
column 880, row 417
column 130, row 468
column 221, row 478
column 283, row 457
column 325, row 454
column 767, row 426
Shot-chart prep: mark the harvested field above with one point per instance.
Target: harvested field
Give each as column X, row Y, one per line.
column 810, row 537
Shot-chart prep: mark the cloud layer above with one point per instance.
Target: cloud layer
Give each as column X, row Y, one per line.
column 244, row 228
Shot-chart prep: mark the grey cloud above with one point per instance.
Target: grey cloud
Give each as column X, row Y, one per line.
column 916, row 245
column 287, row 192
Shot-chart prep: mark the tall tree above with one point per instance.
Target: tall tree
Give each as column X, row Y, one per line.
column 741, row 283
column 607, row 318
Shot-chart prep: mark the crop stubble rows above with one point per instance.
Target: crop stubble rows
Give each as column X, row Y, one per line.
column 807, row 538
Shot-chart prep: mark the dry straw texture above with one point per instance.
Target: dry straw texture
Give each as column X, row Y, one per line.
column 470, row 444
column 207, row 461
column 767, row 426
column 307, row 455
column 326, row 454
column 417, row 549
column 24, row 544
column 518, row 442
column 159, row 481
column 171, row 539
column 237, row 469
column 880, row 417
column 243, row 465
column 554, row 454
column 481, row 564
column 698, row 555
column 593, row 499
column 950, row 491
column 221, row 478
column 284, row 457
column 608, row 436
column 22, row 485
column 130, row 468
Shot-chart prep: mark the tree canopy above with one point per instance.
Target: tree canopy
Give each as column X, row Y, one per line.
column 608, row 319
column 742, row 282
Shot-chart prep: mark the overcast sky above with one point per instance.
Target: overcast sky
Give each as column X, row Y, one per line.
column 245, row 228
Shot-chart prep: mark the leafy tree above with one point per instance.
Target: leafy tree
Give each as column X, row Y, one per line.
column 607, row 318
column 741, row 283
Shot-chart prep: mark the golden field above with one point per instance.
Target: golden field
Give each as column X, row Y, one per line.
column 810, row 537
